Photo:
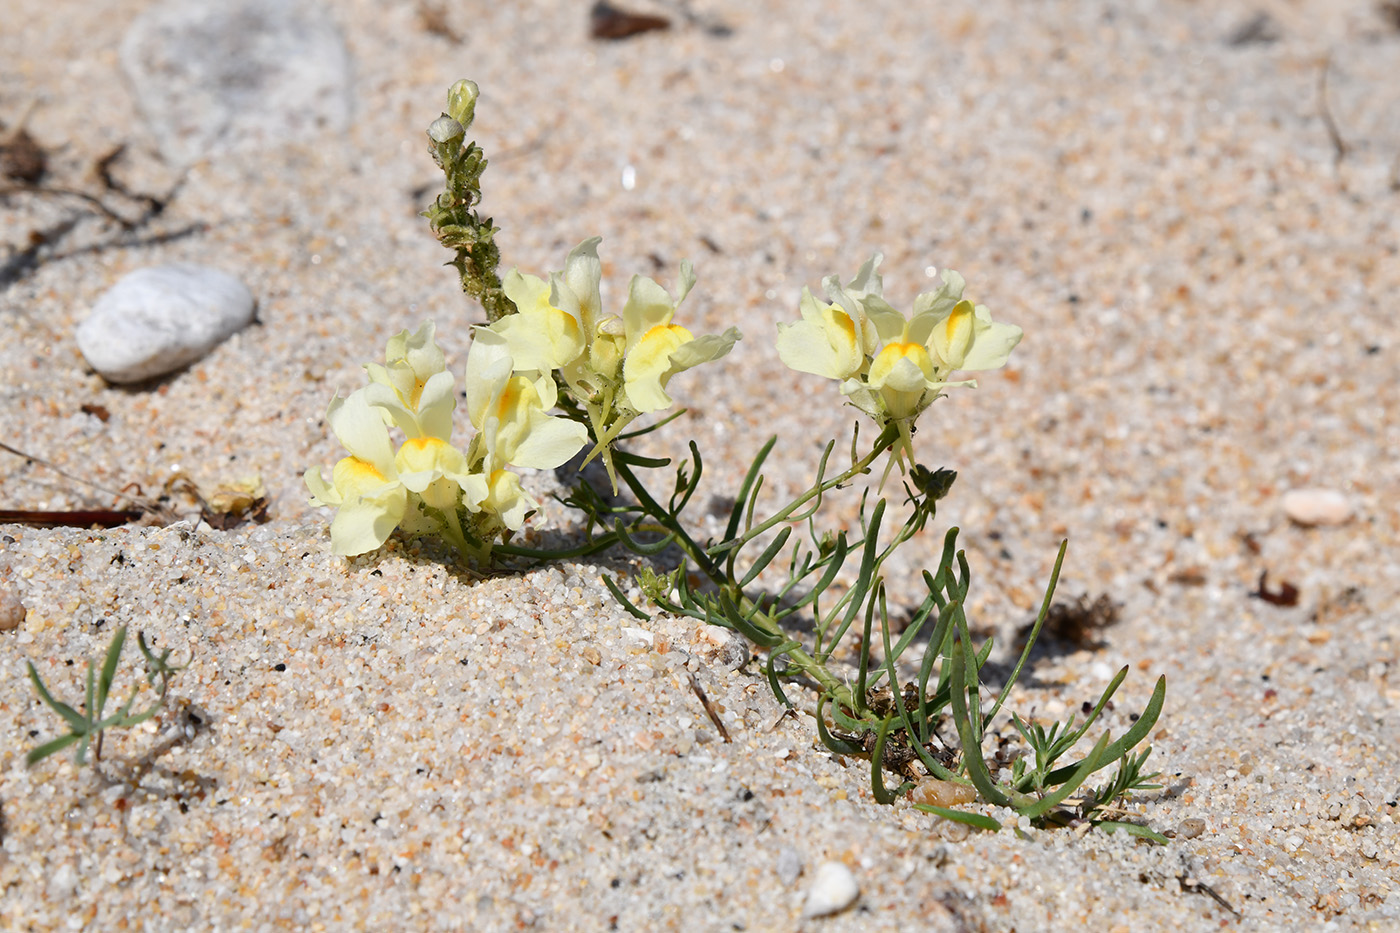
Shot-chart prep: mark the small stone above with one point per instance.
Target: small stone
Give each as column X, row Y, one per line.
column 12, row 610
column 833, row 890
column 1190, row 829
column 162, row 318
column 238, row 74
column 724, row 647
column 934, row 792
column 789, row 866
column 1317, row 506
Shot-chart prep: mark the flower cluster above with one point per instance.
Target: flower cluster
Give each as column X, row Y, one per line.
column 428, row 485
column 890, row 366
column 614, row 367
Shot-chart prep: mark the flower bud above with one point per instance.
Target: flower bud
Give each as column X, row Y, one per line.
column 444, row 130
column 461, row 101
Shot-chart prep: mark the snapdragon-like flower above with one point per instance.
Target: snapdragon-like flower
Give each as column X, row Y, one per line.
column 834, row 339
column 903, row 363
column 413, row 387
column 617, row 366
column 655, row 349
column 365, row 487
column 509, row 411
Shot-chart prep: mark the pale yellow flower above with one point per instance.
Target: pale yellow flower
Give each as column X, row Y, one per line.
column 365, row 487
column 541, row 336
column 523, row 435
column 655, row 349
column 892, row 367
column 834, row 339
column 414, row 388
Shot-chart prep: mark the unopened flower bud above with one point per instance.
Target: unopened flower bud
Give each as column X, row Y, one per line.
column 461, row 101
column 444, row 130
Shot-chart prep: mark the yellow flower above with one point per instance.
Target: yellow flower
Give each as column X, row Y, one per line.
column 541, row 336
column 892, row 367
column 365, row 486
column 834, row 339
column 434, row 470
column 656, row 349
column 413, row 388
column 523, row 434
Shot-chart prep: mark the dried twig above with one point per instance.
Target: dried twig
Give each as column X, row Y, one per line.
column 709, row 708
column 1333, row 133
column 140, row 503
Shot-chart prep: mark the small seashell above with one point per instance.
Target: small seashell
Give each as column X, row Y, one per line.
column 12, row 611
column 833, row 889
column 1317, row 506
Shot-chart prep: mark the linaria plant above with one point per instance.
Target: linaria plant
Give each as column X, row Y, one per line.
column 555, row 372
column 86, row 728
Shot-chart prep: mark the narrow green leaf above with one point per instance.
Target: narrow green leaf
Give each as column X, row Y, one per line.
column 1035, row 632
column 1131, row 738
column 637, row 460
column 1094, row 713
column 652, row 427
column 771, row 669
column 865, row 577
column 636, row 547
column 731, row 530
column 76, row 721
column 971, row 747
column 618, row 595
column 833, row 562
column 863, row 662
column 766, row 558
column 694, row 484
column 753, row 504
column 839, row 746
column 975, row 820
column 916, row 737
column 877, row 770
column 109, row 670
column 931, row 654
column 38, row 754
column 746, row 627
column 125, row 720
column 820, row 484
column 849, row 723
column 1091, row 763
column 972, row 672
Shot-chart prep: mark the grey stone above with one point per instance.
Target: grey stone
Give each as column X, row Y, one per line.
column 789, row 866
column 162, row 318
column 243, row 74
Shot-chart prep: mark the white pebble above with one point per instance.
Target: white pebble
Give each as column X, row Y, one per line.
column 1316, row 506
column 161, row 319
column 833, row 889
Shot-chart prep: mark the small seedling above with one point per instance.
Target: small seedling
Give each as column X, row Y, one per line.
column 87, row 728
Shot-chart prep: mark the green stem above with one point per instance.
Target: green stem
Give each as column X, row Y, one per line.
column 798, row 657
column 861, row 466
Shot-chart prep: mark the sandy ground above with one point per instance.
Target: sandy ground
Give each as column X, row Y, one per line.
column 1208, row 283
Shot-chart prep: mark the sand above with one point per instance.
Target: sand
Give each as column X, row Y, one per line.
column 1208, row 285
